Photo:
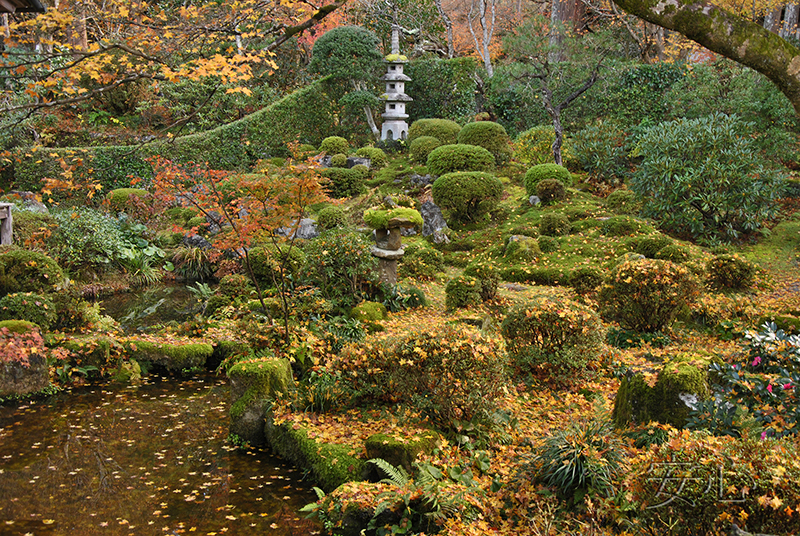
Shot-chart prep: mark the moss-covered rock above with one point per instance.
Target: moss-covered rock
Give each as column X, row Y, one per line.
column 253, row 384
column 330, row 465
column 172, row 355
column 92, row 350
column 127, row 372
column 400, row 451
column 18, row 379
column 681, row 382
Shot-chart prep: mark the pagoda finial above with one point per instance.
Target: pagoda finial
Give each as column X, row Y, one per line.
column 395, row 39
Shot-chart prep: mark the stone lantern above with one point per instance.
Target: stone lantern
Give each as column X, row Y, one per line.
column 395, row 126
column 388, row 220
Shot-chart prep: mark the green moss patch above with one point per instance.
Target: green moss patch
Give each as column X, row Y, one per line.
column 400, row 450
column 253, row 384
column 172, row 355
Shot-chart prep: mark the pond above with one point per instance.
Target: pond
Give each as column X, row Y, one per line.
column 138, row 311
column 147, row 459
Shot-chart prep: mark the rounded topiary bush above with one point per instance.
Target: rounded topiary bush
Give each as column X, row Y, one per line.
column 36, row 308
column 543, row 172
column 554, row 224
column 362, row 170
column 421, row 262
column 343, row 182
column 551, row 191
column 548, row 244
column 235, row 286
column 585, row 279
column 649, row 245
column 330, row 217
column 267, row 262
column 621, row 226
column 339, row 160
column 377, row 157
column 420, row 148
column 452, row 158
column 334, row 145
column 485, row 272
column 647, row 295
column 623, row 201
column 32, row 227
column 554, row 332
column 730, row 272
column 489, row 135
column 462, row 291
column 121, row 199
column 467, row 196
column 521, row 249
column 411, row 369
column 673, row 252
column 444, row 130
column 22, row 270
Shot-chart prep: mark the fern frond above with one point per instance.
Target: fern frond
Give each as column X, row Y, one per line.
column 395, row 475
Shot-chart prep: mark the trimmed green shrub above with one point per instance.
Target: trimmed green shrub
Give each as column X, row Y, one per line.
column 555, row 333
column 621, row 226
column 266, row 262
column 647, row 295
column 467, row 195
column 485, row 272
column 368, row 311
column 32, row 227
column 444, row 130
column 704, row 178
column 119, row 200
column 339, row 160
column 585, row 279
column 333, row 145
column 235, row 286
column 344, row 182
column 420, row 148
column 535, row 146
column 543, row 172
column 330, row 217
column 649, row 245
column 551, row 191
column 421, row 262
column 521, row 249
column 22, row 270
column 452, row 158
column 489, row 135
column 376, row 156
column 623, row 201
column 462, row 291
column 548, row 244
column 554, row 224
column 36, row 308
column 730, row 272
column 362, row 170
column 673, row 253
column 410, row 369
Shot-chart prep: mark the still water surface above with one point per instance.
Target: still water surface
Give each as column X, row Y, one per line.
column 141, row 460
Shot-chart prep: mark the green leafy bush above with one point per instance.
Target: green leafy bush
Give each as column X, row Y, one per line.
column 333, row 145
column 600, row 151
column 22, row 270
column 548, row 244
column 489, row 135
column 674, row 253
column 703, row 177
column 551, row 191
column 462, row 291
column 580, row 459
column 36, row 308
column 235, row 286
column 535, row 146
column 467, row 195
column 621, row 226
column 268, row 260
column 649, row 245
column 585, row 279
column 344, row 182
column 339, row 262
column 452, row 374
column 330, row 217
column 730, row 272
column 339, row 160
column 520, row 249
column 444, row 130
column 32, row 227
column 452, row 158
column 647, row 295
column 554, row 224
column 543, row 172
column 421, row 147
column 120, row 200
column 623, row 201
column 376, row 156
column 485, row 272
column 421, row 262
column 555, row 333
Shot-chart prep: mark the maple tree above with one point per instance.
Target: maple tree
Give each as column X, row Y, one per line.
column 83, row 49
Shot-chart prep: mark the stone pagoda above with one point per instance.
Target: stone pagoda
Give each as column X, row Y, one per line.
column 395, row 126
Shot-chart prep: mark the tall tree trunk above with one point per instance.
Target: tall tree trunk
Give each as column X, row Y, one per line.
column 733, row 37
column 772, row 20
column 790, row 21
column 361, row 86
column 448, row 26
column 485, row 8
column 565, row 15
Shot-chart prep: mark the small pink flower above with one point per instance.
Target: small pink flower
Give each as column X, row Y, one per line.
column 756, row 361
column 787, row 386
column 763, row 435
column 769, row 388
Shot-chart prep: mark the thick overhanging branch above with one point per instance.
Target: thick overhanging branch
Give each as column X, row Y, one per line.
column 729, row 35
column 291, row 31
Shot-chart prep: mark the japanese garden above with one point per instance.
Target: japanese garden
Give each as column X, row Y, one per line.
column 401, row 267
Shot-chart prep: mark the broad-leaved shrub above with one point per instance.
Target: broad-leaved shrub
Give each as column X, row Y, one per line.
column 339, row 262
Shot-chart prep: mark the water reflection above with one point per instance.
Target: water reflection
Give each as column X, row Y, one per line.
column 151, row 459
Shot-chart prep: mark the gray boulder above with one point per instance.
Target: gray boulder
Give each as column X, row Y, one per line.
column 433, row 223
